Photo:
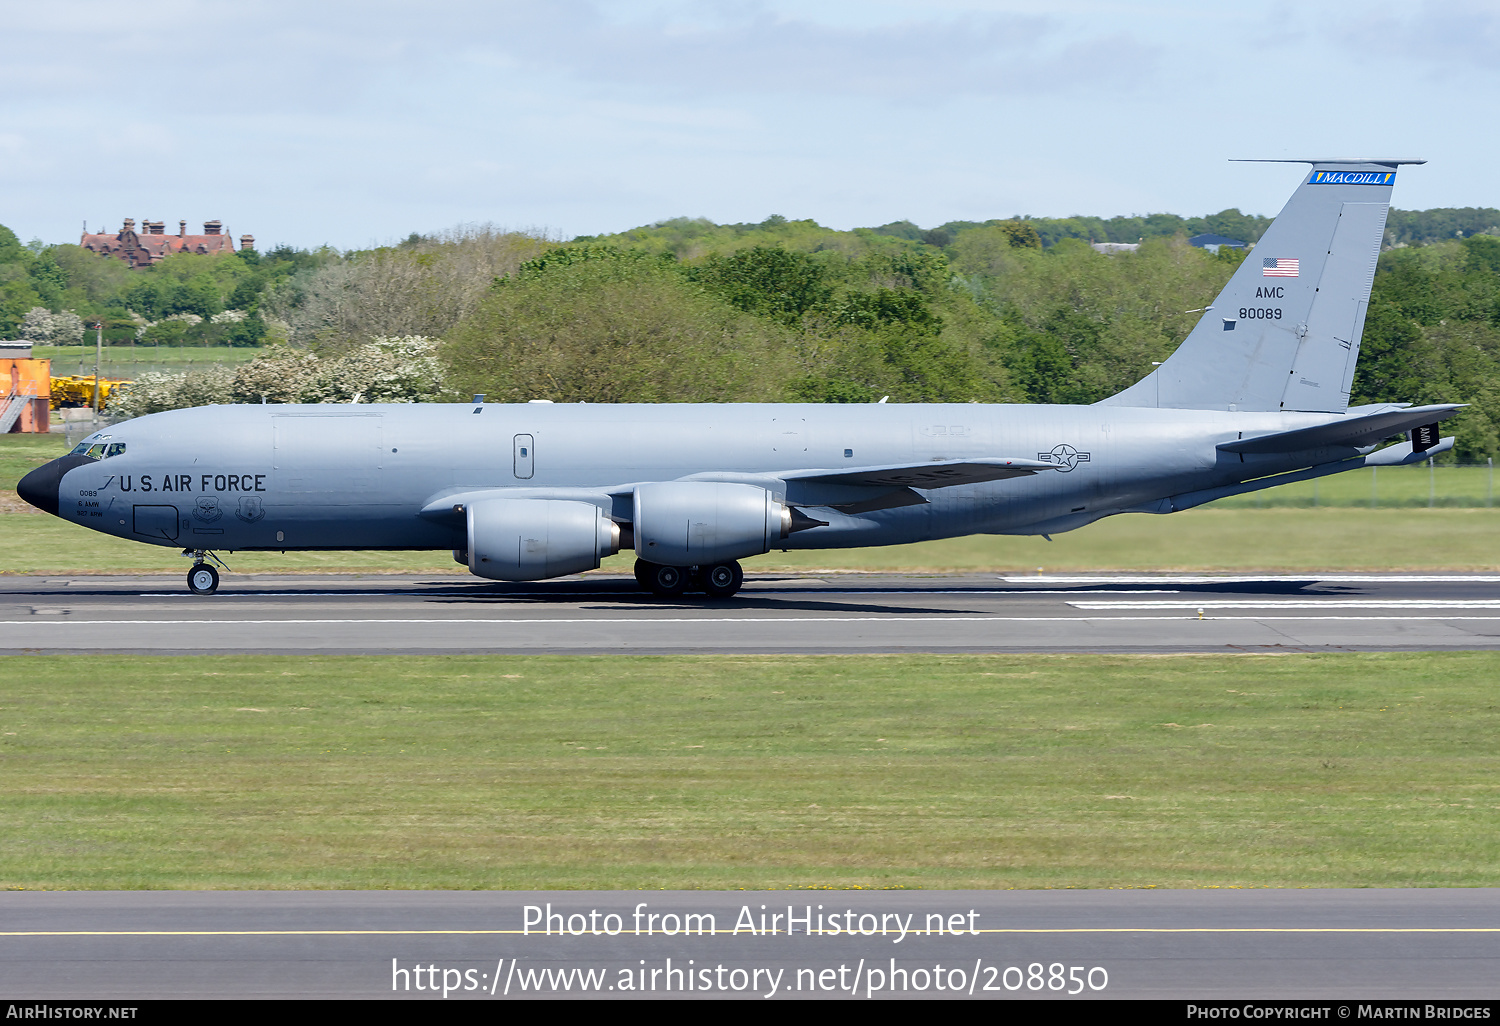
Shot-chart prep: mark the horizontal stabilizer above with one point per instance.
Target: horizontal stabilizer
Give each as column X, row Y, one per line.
column 931, row 474
column 1401, row 454
column 1398, row 455
column 1353, row 431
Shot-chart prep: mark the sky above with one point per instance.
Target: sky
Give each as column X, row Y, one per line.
column 353, row 124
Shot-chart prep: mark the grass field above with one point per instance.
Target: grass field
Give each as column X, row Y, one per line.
column 1416, row 486
column 782, row 772
column 125, row 361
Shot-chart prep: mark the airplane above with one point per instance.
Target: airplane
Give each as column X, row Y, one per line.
column 1256, row 396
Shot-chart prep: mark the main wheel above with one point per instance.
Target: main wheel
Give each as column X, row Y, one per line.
column 723, row 579
column 666, row 581
column 203, row 579
column 643, row 570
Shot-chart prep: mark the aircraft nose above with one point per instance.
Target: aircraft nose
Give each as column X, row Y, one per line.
column 40, row 487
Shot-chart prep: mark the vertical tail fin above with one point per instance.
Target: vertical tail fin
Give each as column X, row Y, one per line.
column 1284, row 333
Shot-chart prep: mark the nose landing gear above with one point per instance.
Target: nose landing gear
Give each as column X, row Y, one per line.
column 203, row 579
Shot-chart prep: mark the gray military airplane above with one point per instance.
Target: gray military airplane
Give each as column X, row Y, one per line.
column 1256, row 396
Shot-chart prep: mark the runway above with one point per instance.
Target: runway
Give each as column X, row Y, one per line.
column 488, row 945
column 775, row 613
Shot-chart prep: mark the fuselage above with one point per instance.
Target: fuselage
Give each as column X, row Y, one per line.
column 358, row 476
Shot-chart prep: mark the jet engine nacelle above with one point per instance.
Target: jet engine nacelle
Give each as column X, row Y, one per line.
column 699, row 523
column 532, row 539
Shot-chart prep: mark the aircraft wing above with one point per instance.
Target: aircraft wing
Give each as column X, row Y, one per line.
column 930, row 474
column 853, row 491
column 867, row 489
column 1355, row 431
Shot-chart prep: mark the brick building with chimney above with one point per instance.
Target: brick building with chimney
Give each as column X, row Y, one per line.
column 152, row 243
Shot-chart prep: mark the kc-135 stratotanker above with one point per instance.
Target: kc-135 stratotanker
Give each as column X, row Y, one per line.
column 1257, row 395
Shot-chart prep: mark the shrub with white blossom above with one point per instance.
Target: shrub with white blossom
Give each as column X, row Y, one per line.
column 387, row 369
column 53, row 329
column 155, row 391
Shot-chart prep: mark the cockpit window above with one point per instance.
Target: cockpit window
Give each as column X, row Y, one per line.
column 98, row 450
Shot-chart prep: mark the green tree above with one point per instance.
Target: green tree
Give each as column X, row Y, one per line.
column 199, row 295
column 1482, row 254
column 1043, row 367
column 767, row 281
column 614, row 329
column 17, row 297
column 1423, row 227
column 11, row 250
column 1020, row 235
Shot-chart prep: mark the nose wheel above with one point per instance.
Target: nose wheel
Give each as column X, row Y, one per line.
column 203, row 580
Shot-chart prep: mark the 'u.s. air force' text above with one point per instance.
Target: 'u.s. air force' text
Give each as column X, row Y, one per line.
column 184, row 483
column 819, row 922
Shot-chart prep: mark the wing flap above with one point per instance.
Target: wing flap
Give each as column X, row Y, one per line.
column 930, row 474
column 893, row 499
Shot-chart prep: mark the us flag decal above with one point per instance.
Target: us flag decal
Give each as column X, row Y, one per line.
column 1279, row 267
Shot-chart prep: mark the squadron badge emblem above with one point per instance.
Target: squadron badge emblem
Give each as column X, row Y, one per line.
column 207, row 509
column 250, row 509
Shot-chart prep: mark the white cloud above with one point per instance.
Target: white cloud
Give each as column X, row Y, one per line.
column 328, row 55
column 1444, row 37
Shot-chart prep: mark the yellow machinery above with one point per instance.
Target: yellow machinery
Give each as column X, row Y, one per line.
column 78, row 390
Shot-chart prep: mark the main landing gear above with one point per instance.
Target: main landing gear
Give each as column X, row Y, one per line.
column 718, row 581
column 202, row 579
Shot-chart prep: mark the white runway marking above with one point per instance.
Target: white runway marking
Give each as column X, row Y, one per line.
column 1308, row 603
column 1256, row 579
column 223, row 596
column 603, row 620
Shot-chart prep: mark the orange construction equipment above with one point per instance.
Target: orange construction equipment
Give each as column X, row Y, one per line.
column 25, row 395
